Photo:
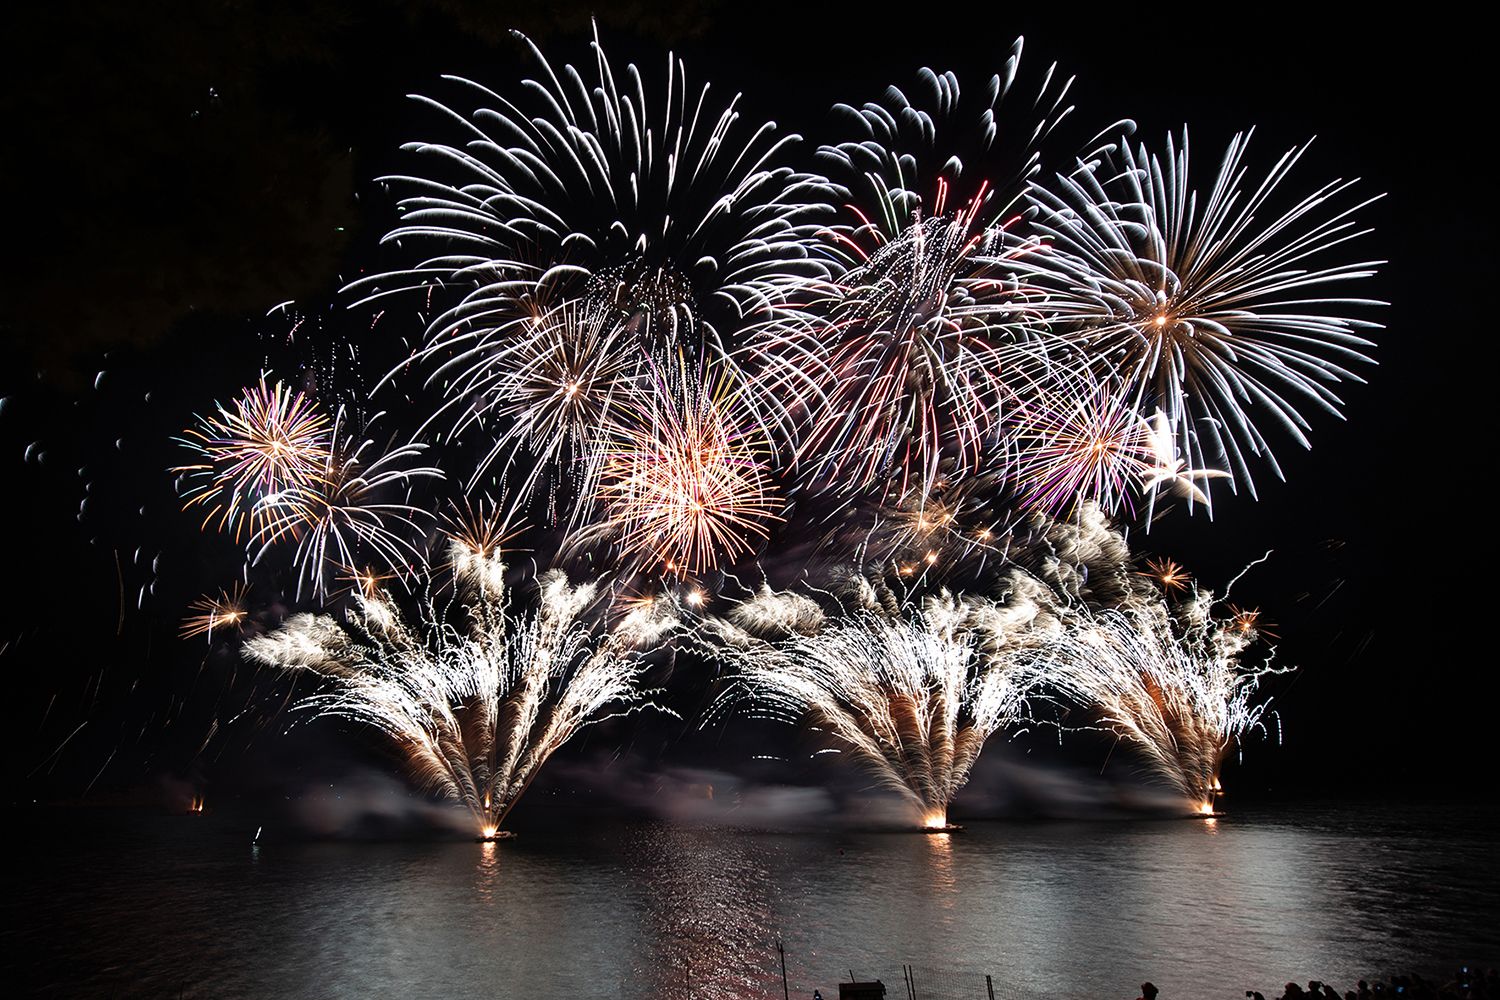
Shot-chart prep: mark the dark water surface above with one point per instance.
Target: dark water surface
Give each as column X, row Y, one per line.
column 110, row 905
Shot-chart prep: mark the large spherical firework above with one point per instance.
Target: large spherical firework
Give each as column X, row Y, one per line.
column 269, row 440
column 908, row 358
column 1079, row 446
column 586, row 182
column 902, row 361
column 686, row 485
column 356, row 510
column 1216, row 310
column 545, row 387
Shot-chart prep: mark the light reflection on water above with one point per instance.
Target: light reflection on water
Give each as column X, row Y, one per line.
column 169, row 906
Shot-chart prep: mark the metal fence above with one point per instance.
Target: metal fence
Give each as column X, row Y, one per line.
column 920, row 982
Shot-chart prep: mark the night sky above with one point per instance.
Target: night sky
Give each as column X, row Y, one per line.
column 173, row 175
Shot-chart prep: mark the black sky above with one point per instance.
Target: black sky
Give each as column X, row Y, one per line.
column 173, row 170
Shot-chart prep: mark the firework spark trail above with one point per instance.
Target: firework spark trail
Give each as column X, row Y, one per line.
column 477, row 535
column 925, row 534
column 1203, row 310
column 1173, row 688
column 277, row 465
column 549, row 385
column 220, row 613
column 350, row 512
column 918, row 144
column 912, row 697
column 589, row 227
column 479, row 706
column 1078, row 446
column 772, row 612
column 905, row 358
column 697, row 205
column 268, row 440
column 1078, row 441
column 686, row 484
column 1168, row 575
column 1168, row 469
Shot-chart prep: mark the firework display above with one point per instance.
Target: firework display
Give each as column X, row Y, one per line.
column 928, row 374
column 1172, row 688
column 221, row 613
column 923, row 335
column 353, row 510
column 684, row 484
column 911, row 695
column 1215, row 308
column 589, row 227
column 477, row 707
column 913, row 690
column 265, row 444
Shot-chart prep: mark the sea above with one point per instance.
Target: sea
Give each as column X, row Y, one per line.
column 122, row 903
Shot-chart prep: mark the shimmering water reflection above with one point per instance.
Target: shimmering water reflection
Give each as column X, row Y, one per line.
column 185, row 906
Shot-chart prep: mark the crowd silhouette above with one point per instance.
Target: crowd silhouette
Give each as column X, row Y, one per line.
column 1466, row 983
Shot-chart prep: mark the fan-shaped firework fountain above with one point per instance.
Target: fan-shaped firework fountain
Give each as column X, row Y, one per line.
column 911, row 696
column 477, row 707
column 1171, row 687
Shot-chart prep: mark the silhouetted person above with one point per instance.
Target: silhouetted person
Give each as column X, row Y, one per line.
column 1148, row 992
